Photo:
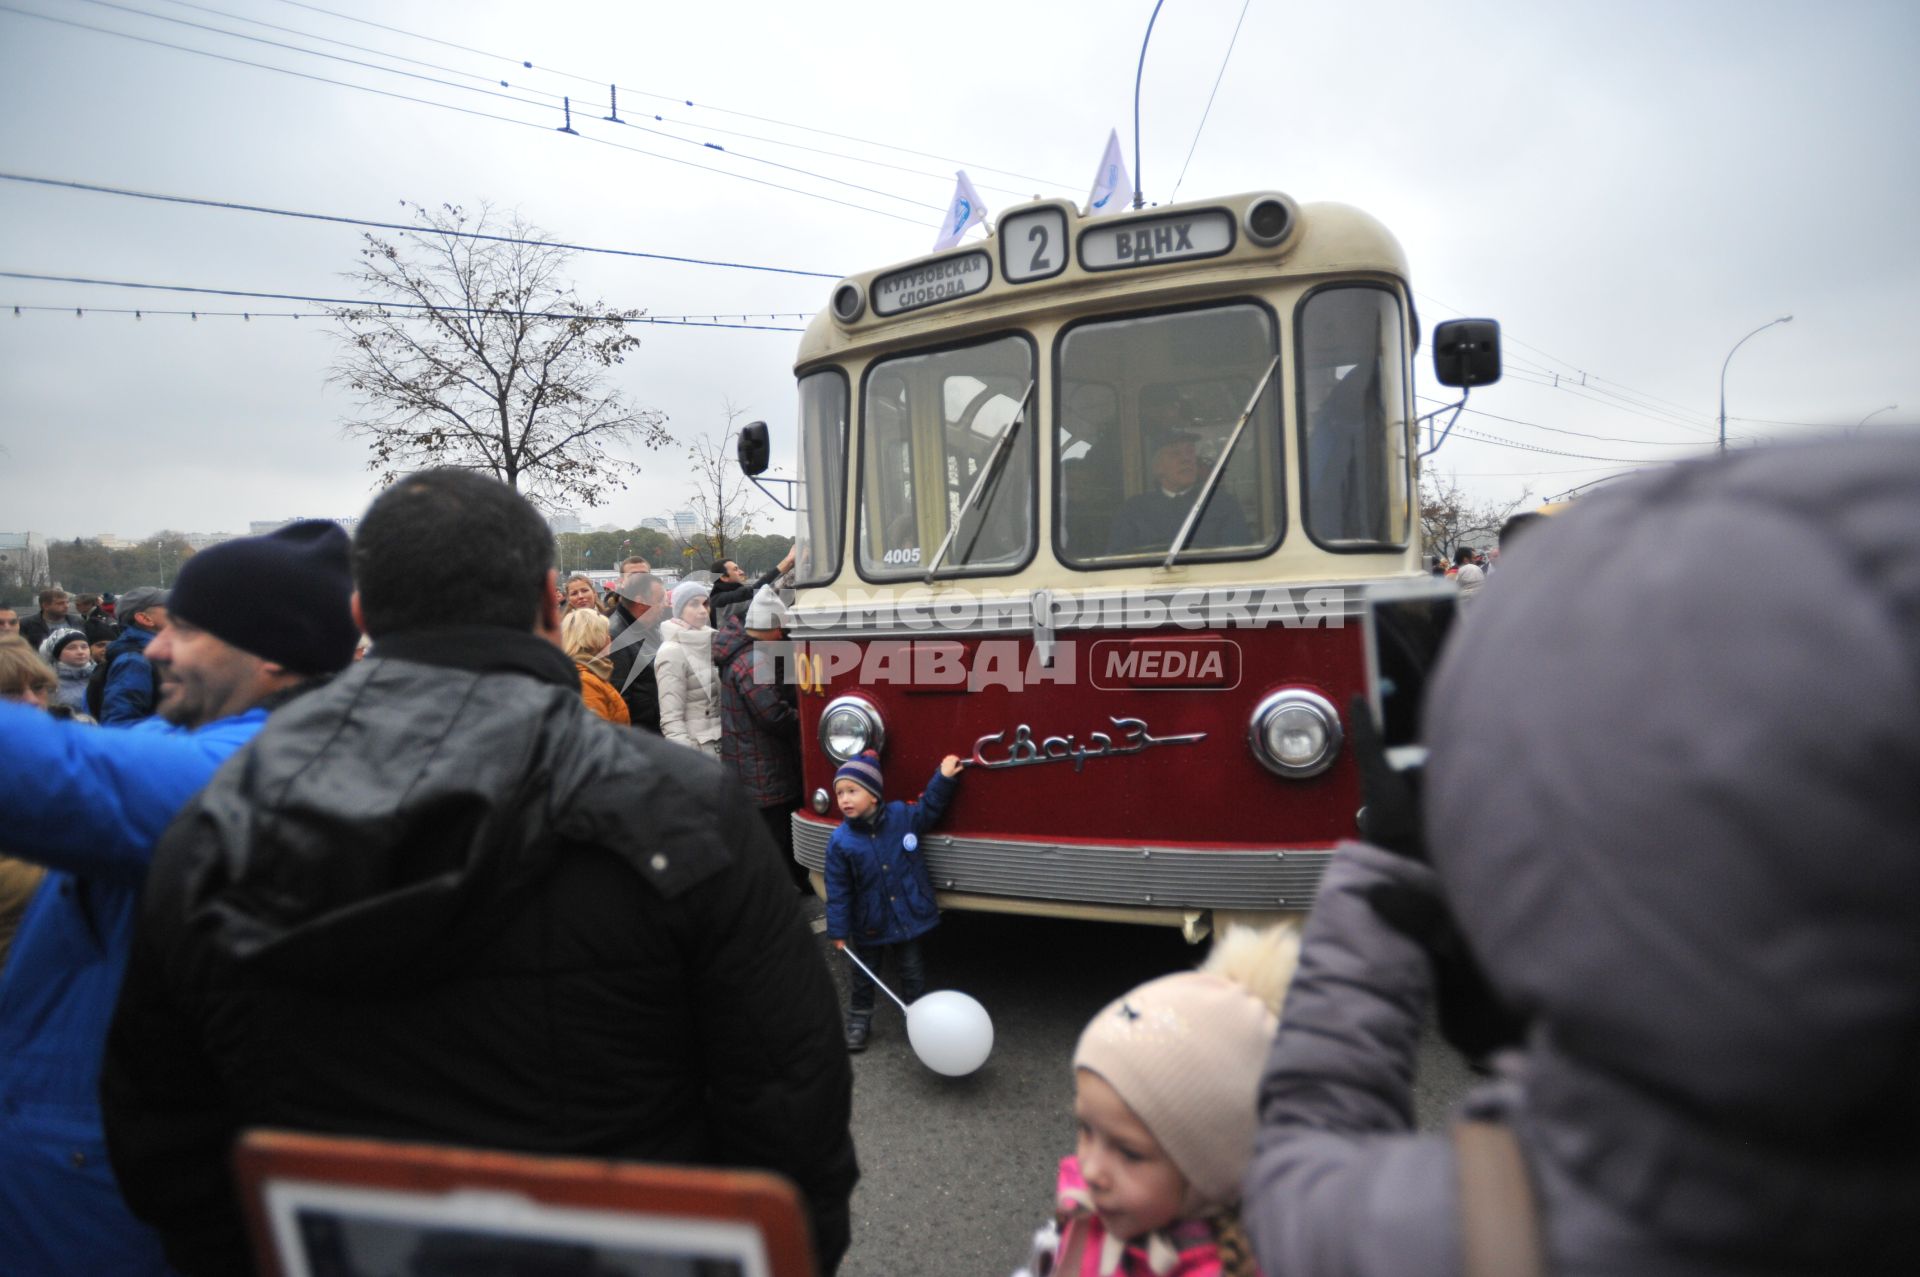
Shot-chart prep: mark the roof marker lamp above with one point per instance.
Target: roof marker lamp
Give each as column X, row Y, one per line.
column 1295, row 733
column 849, row 727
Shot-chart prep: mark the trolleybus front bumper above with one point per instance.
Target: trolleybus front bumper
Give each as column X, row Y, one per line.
column 1129, row 881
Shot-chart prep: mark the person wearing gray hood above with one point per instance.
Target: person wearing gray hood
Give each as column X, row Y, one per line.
column 1672, row 809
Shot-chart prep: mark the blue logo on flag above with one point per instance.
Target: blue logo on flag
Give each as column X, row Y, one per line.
column 962, row 211
column 1113, row 174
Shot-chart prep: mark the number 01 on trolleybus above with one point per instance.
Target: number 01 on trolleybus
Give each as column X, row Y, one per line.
column 1095, row 504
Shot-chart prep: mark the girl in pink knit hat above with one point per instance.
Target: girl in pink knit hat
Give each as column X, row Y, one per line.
column 1164, row 1098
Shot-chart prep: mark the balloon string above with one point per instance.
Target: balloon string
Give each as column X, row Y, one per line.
column 871, row 976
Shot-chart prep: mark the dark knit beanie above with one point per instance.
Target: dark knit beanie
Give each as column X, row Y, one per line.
column 864, row 771
column 283, row 597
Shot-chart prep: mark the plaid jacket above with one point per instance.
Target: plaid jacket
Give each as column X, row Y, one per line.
column 759, row 719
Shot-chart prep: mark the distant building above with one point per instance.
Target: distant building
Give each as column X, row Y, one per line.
column 658, row 524
column 201, row 540
column 562, row 521
column 23, row 561
column 686, row 524
column 108, row 541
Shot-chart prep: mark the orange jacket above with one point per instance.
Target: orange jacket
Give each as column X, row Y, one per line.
column 601, row 697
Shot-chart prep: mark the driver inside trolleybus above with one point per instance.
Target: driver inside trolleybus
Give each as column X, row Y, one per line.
column 1150, row 520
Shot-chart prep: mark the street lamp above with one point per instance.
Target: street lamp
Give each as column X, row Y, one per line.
column 1784, row 319
column 1876, row 412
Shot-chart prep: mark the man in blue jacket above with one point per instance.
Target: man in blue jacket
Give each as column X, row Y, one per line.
column 130, row 687
column 253, row 621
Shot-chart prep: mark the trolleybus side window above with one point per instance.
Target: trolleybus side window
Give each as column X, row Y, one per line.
column 821, row 477
column 1354, row 423
column 932, row 422
column 1147, row 406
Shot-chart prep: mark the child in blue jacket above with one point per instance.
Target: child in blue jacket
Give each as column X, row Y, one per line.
column 879, row 897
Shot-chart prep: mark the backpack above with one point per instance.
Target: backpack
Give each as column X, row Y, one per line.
column 97, row 682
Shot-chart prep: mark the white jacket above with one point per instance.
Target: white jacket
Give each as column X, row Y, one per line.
column 689, row 691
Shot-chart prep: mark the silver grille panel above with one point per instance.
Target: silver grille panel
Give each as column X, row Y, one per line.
column 1079, row 873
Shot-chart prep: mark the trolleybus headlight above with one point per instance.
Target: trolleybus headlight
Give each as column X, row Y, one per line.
column 1295, row 733
column 849, row 302
column 849, row 726
column 1269, row 220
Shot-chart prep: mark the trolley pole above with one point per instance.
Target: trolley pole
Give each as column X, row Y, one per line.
column 1784, row 319
column 1139, row 199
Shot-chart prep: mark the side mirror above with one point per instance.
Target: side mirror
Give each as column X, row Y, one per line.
column 1466, row 352
column 754, row 450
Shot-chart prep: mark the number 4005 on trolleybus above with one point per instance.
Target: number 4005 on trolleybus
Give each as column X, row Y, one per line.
column 1096, row 504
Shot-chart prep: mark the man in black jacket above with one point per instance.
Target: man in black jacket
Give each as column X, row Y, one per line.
column 730, row 583
column 635, row 627
column 420, row 907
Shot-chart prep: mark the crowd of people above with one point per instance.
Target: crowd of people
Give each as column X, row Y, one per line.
column 1657, row 881
column 442, row 902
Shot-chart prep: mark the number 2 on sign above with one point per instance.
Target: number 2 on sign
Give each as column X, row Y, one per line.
column 1038, row 238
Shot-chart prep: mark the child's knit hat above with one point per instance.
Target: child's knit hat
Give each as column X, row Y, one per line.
column 1185, row 1052
column 864, row 771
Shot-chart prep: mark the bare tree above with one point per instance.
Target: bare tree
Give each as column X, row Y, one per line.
column 476, row 353
column 725, row 504
column 1449, row 517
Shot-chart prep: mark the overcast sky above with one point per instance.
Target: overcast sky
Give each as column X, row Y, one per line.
column 1628, row 187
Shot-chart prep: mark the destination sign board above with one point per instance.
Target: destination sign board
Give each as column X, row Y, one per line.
column 929, row 284
column 1150, row 241
column 1033, row 245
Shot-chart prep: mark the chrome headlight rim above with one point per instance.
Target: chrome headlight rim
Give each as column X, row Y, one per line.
column 1295, row 698
column 862, row 708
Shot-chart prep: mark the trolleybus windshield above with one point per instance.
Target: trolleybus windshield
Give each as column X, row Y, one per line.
column 930, row 422
column 1146, row 407
column 1353, row 419
column 820, row 505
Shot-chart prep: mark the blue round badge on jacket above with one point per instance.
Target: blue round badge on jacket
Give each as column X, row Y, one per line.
column 909, row 842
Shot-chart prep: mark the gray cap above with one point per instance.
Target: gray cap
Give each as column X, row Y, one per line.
column 139, row 599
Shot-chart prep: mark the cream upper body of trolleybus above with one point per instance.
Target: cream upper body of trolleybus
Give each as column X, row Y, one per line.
column 1096, row 504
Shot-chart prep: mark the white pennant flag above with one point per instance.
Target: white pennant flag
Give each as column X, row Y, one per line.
column 967, row 210
column 1110, row 185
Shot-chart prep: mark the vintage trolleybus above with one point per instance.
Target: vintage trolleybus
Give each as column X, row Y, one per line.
column 1094, row 504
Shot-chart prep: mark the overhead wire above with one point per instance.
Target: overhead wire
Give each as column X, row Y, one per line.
column 1244, row 6
column 448, row 106
column 1561, row 430
column 412, row 228
column 663, row 321
column 1579, row 392
column 1528, row 447
column 511, row 97
column 1559, row 380
column 1525, row 474
column 365, row 304
column 665, row 97
column 592, row 103
column 1646, row 399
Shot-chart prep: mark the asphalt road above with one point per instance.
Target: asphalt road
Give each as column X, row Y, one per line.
column 957, row 1173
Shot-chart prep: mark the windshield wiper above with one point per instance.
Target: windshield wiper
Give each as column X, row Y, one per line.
column 980, row 481
column 1213, row 476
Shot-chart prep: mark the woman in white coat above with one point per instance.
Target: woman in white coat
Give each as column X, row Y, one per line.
column 689, row 692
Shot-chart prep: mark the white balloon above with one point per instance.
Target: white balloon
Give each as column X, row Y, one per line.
column 950, row 1032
